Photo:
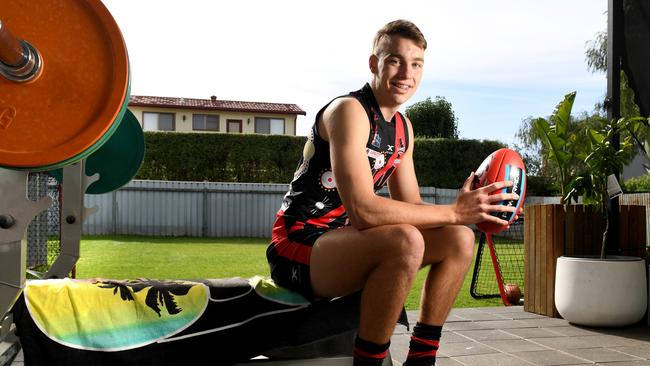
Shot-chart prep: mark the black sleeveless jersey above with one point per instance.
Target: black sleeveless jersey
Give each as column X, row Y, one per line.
column 312, row 199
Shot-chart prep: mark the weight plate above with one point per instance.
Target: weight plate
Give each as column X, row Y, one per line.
column 118, row 160
column 59, row 117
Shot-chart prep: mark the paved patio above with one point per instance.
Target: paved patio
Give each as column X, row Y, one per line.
column 508, row 336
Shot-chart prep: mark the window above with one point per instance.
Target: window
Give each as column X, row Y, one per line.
column 158, row 121
column 269, row 126
column 205, row 122
column 234, row 125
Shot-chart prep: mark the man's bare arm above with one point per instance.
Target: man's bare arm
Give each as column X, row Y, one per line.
column 346, row 128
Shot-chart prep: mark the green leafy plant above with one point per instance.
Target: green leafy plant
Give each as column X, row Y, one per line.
column 559, row 141
column 599, row 158
column 602, row 161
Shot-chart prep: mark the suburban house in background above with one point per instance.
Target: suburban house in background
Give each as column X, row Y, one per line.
column 214, row 115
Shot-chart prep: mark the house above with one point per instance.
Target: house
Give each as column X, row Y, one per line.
column 214, row 115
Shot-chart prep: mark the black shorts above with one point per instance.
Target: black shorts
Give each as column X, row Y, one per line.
column 289, row 255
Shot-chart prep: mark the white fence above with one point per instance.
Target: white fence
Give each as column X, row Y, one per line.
column 207, row 209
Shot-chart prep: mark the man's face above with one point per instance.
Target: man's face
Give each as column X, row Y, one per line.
column 398, row 69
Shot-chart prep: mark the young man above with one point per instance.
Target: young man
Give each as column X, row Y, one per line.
column 334, row 235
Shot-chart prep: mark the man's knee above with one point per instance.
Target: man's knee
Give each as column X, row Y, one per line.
column 465, row 240
column 407, row 246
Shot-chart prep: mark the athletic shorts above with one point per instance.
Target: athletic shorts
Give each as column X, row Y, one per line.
column 289, row 255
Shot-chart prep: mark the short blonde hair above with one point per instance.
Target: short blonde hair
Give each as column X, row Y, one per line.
column 402, row 28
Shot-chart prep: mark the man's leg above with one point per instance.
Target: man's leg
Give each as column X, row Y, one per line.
column 383, row 261
column 448, row 251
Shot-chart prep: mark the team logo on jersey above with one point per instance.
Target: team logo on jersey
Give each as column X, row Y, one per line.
column 401, row 149
column 376, row 140
column 379, row 158
column 321, row 205
column 327, row 181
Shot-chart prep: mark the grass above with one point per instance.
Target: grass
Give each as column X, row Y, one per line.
column 129, row 257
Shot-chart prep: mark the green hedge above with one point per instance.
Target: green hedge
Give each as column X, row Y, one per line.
column 220, row 157
column 638, row 184
column 441, row 163
column 541, row 186
column 446, row 163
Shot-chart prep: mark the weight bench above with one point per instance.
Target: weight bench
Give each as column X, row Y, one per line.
column 142, row 322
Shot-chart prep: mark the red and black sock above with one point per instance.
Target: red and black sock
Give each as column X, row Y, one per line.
column 368, row 353
column 424, row 345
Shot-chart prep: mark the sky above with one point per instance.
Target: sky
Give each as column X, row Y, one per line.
column 497, row 62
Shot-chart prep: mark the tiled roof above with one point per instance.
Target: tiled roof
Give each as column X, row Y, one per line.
column 215, row 104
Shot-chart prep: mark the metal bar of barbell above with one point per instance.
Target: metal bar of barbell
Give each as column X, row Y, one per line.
column 19, row 60
column 11, row 50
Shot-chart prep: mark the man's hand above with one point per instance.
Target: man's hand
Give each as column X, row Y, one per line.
column 474, row 206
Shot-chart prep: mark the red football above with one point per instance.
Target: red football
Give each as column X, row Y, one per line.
column 502, row 165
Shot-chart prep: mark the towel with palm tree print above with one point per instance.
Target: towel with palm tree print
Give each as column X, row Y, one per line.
column 114, row 315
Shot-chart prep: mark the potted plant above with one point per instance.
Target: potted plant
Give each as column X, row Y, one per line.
column 597, row 290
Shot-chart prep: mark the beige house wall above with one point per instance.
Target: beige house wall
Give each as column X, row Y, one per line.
column 183, row 118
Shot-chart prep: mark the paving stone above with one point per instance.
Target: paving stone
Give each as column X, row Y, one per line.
column 505, row 324
column 488, row 334
column 639, row 333
column 455, row 318
column 399, row 346
column 571, row 331
column 601, row 355
column 452, row 337
column 463, row 311
column 497, row 359
column 583, row 342
column 519, row 316
column 551, row 358
column 466, row 325
column 627, row 363
column 464, row 349
column 545, row 322
column 503, row 309
column 517, row 345
column 447, row 362
column 480, row 316
column 642, row 351
column 531, row 333
column 400, row 329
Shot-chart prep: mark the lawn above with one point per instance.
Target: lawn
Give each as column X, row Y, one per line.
column 129, row 257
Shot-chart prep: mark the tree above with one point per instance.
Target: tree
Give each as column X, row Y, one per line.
column 596, row 57
column 433, row 118
column 529, row 141
column 534, row 152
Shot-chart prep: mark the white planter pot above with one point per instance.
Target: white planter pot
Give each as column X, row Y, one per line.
column 597, row 292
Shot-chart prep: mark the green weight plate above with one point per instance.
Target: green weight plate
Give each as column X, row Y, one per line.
column 119, row 159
